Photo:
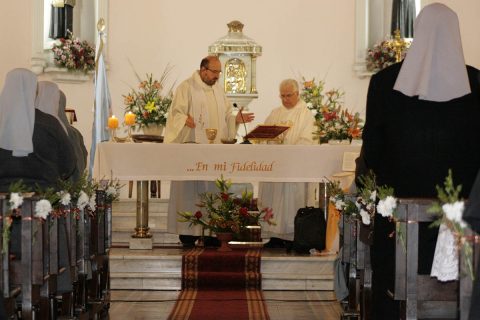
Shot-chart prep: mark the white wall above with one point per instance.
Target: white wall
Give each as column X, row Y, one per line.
column 304, row 37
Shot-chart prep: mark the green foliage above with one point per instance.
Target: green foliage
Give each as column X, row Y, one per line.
column 18, row 187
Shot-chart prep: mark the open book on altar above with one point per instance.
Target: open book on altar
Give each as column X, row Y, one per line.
column 266, row 132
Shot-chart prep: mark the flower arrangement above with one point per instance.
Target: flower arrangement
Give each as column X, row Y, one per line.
column 74, row 54
column 382, row 55
column 223, row 212
column 148, row 104
column 332, row 121
column 370, row 199
column 449, row 211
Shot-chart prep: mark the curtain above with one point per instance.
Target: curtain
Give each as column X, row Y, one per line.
column 403, row 15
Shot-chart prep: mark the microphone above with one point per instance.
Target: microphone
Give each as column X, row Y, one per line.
column 245, row 140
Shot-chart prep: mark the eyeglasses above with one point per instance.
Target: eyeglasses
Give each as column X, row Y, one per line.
column 214, row 71
column 288, row 95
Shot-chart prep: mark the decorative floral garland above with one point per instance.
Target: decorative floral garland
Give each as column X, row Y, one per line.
column 372, row 199
column 81, row 195
column 449, row 211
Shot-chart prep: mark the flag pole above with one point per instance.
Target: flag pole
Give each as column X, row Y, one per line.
column 102, row 101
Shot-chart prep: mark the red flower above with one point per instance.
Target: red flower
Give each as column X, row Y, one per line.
column 198, row 214
column 330, row 115
column 243, row 211
column 225, row 196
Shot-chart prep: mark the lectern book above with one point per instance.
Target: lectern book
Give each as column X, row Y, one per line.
column 266, row 132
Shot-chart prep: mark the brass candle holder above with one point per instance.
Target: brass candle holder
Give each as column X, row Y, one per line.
column 115, row 138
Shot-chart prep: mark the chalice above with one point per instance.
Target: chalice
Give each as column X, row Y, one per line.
column 211, row 134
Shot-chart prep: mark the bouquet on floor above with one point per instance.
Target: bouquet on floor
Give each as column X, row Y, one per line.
column 224, row 212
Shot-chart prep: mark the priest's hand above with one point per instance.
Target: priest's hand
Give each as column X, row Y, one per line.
column 190, row 122
column 244, row 117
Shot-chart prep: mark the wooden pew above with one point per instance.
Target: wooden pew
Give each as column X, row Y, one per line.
column 35, row 275
column 28, row 272
column 70, row 229
column 348, row 240
column 421, row 296
column 356, row 241
column 9, row 293
column 92, row 294
column 364, row 269
column 48, row 289
column 465, row 278
column 83, row 263
column 99, row 286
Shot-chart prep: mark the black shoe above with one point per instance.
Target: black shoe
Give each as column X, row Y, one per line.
column 275, row 243
column 188, row 241
column 288, row 246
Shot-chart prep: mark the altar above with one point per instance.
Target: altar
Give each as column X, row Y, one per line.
column 239, row 162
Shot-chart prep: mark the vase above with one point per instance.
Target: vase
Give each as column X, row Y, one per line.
column 356, row 142
column 153, row 129
column 251, row 233
column 224, row 238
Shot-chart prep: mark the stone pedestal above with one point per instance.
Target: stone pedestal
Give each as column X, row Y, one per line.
column 141, row 243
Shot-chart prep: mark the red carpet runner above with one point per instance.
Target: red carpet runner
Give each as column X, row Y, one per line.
column 220, row 285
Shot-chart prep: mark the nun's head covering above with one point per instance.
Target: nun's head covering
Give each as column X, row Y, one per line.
column 61, row 110
column 434, row 68
column 17, row 112
column 48, row 100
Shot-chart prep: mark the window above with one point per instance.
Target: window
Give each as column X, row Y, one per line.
column 372, row 24
column 85, row 15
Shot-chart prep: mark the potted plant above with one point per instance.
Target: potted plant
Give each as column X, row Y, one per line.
column 223, row 212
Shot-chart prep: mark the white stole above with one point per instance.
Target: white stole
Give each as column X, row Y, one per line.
column 199, row 110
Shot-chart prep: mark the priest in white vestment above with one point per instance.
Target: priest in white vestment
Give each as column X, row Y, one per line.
column 199, row 103
column 285, row 198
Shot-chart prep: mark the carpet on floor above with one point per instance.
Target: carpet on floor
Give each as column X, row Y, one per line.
column 220, row 285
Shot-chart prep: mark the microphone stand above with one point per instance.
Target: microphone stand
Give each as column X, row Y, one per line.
column 245, row 140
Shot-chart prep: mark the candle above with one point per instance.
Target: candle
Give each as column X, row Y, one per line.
column 113, row 122
column 129, row 118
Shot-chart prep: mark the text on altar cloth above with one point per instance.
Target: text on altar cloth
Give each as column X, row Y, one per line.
column 248, row 166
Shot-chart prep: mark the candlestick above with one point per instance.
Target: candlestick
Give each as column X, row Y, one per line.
column 129, row 118
column 113, row 135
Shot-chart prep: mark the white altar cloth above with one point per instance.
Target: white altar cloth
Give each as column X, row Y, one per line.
column 241, row 163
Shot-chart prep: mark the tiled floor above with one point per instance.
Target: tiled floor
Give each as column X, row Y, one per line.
column 282, row 305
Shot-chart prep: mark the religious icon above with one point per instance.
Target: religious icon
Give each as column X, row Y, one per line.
column 61, row 19
column 235, row 76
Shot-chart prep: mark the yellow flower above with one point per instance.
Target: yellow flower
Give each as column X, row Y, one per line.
column 150, row 106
